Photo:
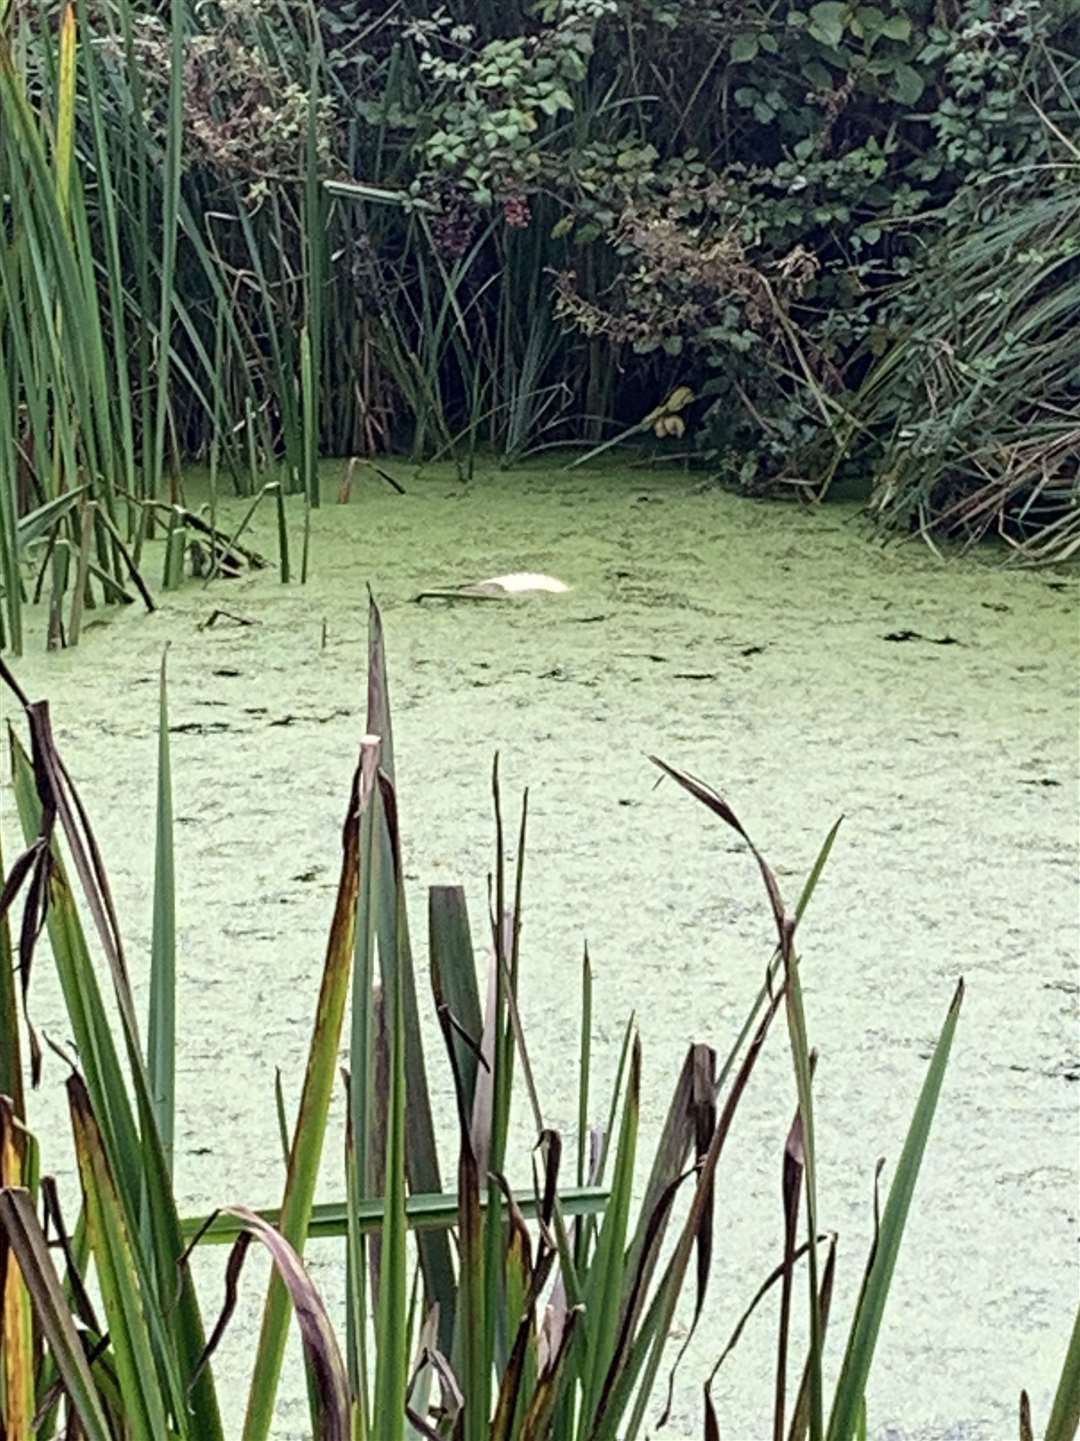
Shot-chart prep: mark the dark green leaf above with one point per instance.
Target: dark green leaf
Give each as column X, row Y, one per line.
column 743, row 48
column 827, row 21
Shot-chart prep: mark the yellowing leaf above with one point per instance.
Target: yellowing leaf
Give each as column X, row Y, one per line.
column 65, row 122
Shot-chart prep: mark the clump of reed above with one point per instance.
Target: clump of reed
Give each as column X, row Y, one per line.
column 974, row 404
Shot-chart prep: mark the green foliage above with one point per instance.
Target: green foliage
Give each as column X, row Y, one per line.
column 849, row 139
column 257, row 232
column 972, row 405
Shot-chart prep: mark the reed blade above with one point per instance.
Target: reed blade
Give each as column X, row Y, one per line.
column 22, row 1232
column 161, row 1031
column 310, row 1128
column 866, row 1326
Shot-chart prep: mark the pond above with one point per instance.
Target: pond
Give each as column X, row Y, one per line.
column 782, row 655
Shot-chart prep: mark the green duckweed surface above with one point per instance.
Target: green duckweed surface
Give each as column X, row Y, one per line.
column 751, row 645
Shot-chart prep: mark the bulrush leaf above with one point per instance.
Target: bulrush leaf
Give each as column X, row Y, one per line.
column 715, row 802
column 364, row 1128
column 851, row 1385
column 639, row 1371
column 523, row 1283
column 65, row 120
column 23, row 1235
column 391, row 1325
column 11, row 1077
column 1065, row 1413
column 450, row 951
column 584, row 1069
column 170, row 193
column 776, row 962
column 46, row 796
column 800, row 1051
column 378, row 689
column 128, row 1309
column 330, row 1388
column 161, row 1033
column 800, row 1418
column 483, row 1096
column 581, row 1229
column 638, row 1279
column 17, row 1358
column 1027, row 1431
column 712, row 1425
column 791, row 1189
column 310, row 1129
column 282, row 1115
column 607, row 1131
column 538, row 1417
column 494, row 1086
column 423, row 1213
column 676, row 1139
column 701, row 1109
column 469, row 1349
column 393, row 938
column 775, row 1275
column 418, row 1391
column 604, row 1286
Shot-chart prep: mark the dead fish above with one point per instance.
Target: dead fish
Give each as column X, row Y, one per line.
column 520, row 582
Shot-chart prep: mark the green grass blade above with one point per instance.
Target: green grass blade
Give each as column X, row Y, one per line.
column 283, row 533
column 673, row 1149
column 800, row 1416
column 315, row 246
column 855, row 1371
column 125, row 1302
column 422, row 1213
column 65, row 105
column 581, row 1234
column 800, row 1051
column 452, row 960
column 1065, row 1413
column 360, row 1172
column 394, row 949
column 638, row 1373
column 309, row 1132
column 604, row 1284
column 11, row 634
column 11, row 1078
column 161, row 1032
column 584, row 1069
column 391, row 1328
column 310, row 439
column 170, row 185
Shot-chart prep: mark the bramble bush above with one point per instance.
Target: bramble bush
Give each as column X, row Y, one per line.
column 543, row 218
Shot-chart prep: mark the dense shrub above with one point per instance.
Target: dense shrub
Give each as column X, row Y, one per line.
column 568, row 209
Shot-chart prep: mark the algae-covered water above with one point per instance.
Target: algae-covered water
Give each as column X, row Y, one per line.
column 778, row 653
